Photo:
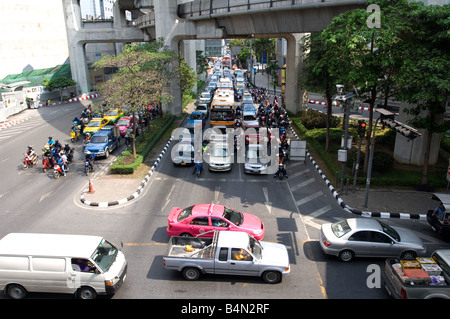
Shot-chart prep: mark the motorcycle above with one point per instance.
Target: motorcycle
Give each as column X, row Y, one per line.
column 29, row 161
column 74, row 136
column 46, row 163
column 58, row 171
column 88, row 168
column 281, row 171
column 198, row 169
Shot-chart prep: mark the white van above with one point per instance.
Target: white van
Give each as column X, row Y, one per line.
column 80, row 264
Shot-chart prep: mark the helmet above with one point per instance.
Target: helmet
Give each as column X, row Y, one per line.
column 88, row 134
column 30, row 147
column 50, row 138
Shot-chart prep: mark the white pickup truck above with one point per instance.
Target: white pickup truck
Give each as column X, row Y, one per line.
column 431, row 280
column 227, row 253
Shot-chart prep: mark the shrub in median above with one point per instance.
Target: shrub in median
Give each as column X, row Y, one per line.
column 127, row 163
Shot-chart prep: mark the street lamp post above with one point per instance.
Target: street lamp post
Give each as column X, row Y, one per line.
column 342, row 153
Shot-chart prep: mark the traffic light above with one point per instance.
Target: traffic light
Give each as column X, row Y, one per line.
column 361, row 128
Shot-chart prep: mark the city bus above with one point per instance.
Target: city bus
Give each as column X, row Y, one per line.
column 222, row 109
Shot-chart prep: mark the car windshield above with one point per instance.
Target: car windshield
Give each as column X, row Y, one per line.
column 185, row 213
column 202, row 107
column 340, row 228
column 104, row 255
column 219, row 152
column 390, row 231
column 112, row 113
column 233, row 216
column 94, row 124
column 255, row 247
column 196, row 117
column 255, row 153
column 123, row 122
column 98, row 139
column 249, row 118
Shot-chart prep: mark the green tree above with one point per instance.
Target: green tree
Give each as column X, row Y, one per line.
column 142, row 77
column 366, row 58
column 317, row 76
column 424, row 79
column 58, row 83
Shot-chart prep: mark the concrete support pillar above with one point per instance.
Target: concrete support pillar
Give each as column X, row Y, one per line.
column 295, row 95
column 167, row 25
column 77, row 54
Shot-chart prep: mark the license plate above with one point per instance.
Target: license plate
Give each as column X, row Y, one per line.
column 183, row 163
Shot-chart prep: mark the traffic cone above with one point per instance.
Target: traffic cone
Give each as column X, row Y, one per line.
column 91, row 189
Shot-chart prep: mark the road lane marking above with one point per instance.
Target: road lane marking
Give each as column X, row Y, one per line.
column 308, row 198
column 303, row 184
column 267, row 203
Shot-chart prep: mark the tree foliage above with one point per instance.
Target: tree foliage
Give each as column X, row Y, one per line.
column 58, row 83
column 406, row 57
column 142, row 77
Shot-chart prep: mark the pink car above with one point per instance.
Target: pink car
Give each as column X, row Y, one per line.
column 200, row 218
column 124, row 123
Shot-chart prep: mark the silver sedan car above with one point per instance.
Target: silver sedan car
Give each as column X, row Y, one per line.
column 367, row 237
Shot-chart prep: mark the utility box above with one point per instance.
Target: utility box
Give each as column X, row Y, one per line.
column 342, row 155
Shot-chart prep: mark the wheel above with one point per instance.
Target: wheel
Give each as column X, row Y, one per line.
column 16, row 292
column 106, row 153
column 185, row 235
column 86, row 293
column 191, row 273
column 56, row 174
column 408, row 255
column 280, row 175
column 44, row 169
column 271, row 277
column 346, row 255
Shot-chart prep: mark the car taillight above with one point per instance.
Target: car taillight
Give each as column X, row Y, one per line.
column 403, row 294
column 325, row 241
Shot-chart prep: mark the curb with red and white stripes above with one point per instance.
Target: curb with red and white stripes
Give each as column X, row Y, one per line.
column 76, row 99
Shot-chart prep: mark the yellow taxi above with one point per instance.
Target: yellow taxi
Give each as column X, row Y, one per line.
column 94, row 125
column 113, row 115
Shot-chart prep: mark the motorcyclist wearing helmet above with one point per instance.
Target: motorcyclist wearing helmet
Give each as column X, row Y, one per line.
column 58, row 146
column 198, row 166
column 87, row 138
column 61, row 159
column 68, row 151
column 31, row 153
column 51, row 141
column 89, row 157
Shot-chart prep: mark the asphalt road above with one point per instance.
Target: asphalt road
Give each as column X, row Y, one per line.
column 292, row 210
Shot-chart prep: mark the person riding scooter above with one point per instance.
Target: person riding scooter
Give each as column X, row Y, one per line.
column 69, row 152
column 89, row 157
column 31, row 153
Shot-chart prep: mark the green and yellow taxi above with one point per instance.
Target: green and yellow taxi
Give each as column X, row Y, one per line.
column 113, row 115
